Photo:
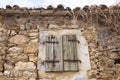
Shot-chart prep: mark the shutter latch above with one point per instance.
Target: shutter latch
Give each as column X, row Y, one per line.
column 52, row 42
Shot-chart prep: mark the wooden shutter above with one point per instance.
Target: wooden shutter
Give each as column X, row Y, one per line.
column 69, row 49
column 53, row 54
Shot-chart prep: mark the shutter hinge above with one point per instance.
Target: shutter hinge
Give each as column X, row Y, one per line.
column 73, row 61
column 73, row 40
column 51, row 61
column 54, row 42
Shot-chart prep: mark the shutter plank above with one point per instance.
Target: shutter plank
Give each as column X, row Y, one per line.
column 73, row 56
column 53, row 57
column 56, row 55
column 60, row 55
column 65, row 52
column 49, row 53
column 72, row 65
column 70, row 53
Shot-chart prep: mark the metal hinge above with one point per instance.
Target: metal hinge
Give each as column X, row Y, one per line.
column 73, row 40
column 73, row 61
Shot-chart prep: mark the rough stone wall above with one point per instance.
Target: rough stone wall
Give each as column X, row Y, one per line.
column 19, row 40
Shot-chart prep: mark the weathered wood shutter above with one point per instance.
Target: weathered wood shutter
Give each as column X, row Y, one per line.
column 69, row 49
column 53, row 54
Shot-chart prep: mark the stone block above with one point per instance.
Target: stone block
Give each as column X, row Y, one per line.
column 19, row 39
column 8, row 66
column 53, row 26
column 15, row 49
column 15, row 57
column 25, row 66
column 30, row 74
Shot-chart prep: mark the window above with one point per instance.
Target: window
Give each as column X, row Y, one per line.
column 63, row 50
column 61, row 53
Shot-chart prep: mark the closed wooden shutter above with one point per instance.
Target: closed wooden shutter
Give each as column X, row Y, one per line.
column 53, row 54
column 69, row 49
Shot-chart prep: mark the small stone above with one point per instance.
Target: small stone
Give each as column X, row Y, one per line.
column 7, row 73
column 22, row 27
column 110, row 63
column 63, row 26
column 19, row 39
column 34, row 34
column 1, row 28
column 94, row 66
column 32, row 58
column 3, row 51
column 34, row 41
column 25, row 66
column 60, row 7
column 113, row 55
column 28, row 26
column 32, row 79
column 31, row 48
column 8, row 66
column 22, row 78
column 22, row 32
column 1, row 33
column 52, row 26
column 23, row 57
column 43, row 74
column 92, row 79
column 74, row 26
column 3, row 38
column 13, row 32
column 21, row 21
column 92, row 73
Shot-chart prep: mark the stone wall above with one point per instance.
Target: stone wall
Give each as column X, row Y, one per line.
column 19, row 40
